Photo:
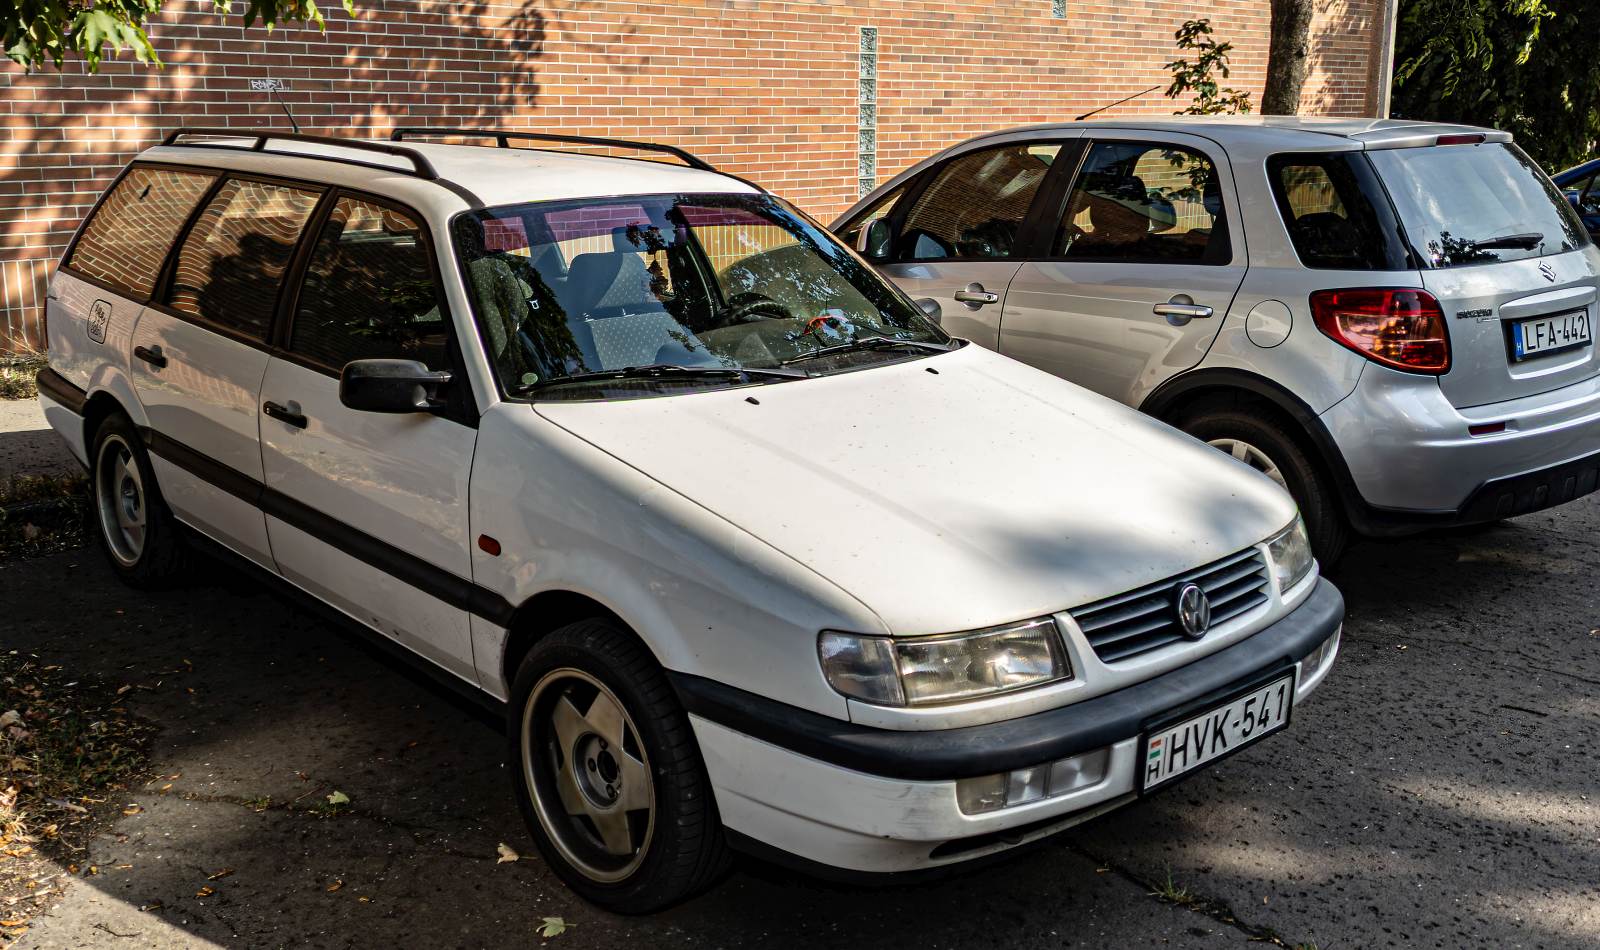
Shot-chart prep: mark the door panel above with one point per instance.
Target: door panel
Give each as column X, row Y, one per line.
column 204, row 398
column 399, row 480
column 978, row 322
column 1141, row 270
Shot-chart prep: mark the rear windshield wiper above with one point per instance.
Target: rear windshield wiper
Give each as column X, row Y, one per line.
column 1524, row 242
column 665, row 371
column 868, row 343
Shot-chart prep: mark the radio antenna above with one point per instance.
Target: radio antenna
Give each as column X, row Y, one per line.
column 273, row 86
column 1143, row 92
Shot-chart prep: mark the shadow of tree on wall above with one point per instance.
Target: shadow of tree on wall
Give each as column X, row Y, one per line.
column 397, row 62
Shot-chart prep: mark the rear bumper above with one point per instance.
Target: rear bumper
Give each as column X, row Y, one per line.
column 63, row 405
column 859, row 799
column 1414, row 462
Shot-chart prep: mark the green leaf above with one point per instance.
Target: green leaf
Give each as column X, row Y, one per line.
column 554, row 927
column 338, row 798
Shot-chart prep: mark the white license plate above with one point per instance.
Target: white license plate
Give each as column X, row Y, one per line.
column 1171, row 751
column 1558, row 331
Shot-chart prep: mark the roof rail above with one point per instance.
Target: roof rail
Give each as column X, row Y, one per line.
column 420, row 166
column 503, row 138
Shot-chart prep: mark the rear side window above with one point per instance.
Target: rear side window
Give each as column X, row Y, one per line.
column 369, row 291
column 127, row 240
column 975, row 205
column 1146, row 203
column 231, row 266
column 1336, row 213
column 1477, row 204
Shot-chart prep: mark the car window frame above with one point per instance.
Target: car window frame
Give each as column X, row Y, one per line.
column 1403, row 256
column 1223, row 170
column 1071, row 154
column 143, row 300
column 158, row 296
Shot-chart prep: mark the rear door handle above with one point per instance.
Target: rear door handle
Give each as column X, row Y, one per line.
column 975, row 296
column 1181, row 309
column 287, row 414
column 151, row 355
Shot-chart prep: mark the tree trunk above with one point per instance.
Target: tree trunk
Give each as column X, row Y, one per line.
column 1288, row 56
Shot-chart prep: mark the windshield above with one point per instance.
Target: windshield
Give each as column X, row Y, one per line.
column 637, row 296
column 1476, row 204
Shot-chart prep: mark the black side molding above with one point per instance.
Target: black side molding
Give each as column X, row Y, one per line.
column 398, row 563
column 54, row 385
column 1030, row 740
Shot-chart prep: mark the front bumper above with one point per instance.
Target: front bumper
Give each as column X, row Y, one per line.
column 1413, row 461
column 844, row 796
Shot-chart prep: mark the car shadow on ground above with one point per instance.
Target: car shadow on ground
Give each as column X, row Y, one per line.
column 1431, row 794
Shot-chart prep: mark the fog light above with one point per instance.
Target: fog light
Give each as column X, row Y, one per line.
column 988, row 793
column 1323, row 654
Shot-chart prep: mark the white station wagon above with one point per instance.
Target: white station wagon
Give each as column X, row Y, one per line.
column 749, row 550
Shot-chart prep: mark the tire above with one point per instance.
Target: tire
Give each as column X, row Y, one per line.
column 1270, row 447
column 138, row 534
column 582, row 695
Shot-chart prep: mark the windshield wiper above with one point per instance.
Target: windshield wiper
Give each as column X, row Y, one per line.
column 665, row 371
column 868, row 343
column 1525, row 242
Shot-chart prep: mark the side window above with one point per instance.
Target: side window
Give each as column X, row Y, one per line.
column 231, row 265
column 1589, row 204
column 127, row 240
column 369, row 291
column 975, row 204
column 1146, row 203
column 882, row 209
column 1335, row 212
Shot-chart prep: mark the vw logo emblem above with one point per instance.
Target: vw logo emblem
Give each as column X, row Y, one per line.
column 1194, row 610
column 1548, row 271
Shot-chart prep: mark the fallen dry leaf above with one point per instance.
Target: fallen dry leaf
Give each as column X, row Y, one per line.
column 506, row 854
column 206, row 891
column 335, row 886
column 220, row 874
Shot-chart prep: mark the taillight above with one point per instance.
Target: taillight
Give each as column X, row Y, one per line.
column 1403, row 329
column 1461, row 138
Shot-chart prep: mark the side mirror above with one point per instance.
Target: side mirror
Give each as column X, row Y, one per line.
column 1575, row 198
column 876, row 239
column 390, row 386
column 930, row 308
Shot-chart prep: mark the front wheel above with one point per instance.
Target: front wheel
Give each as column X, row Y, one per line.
column 1268, row 447
column 607, row 772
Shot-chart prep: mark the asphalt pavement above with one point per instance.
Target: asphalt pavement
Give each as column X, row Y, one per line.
column 1441, row 790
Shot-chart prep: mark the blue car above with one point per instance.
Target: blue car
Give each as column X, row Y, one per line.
column 1581, row 185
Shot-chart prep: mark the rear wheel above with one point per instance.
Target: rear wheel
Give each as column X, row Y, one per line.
column 137, row 533
column 607, row 772
column 1269, row 447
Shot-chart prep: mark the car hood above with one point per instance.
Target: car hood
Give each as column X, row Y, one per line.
column 947, row 492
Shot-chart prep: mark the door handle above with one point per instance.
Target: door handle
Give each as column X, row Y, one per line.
column 287, row 414
column 151, row 355
column 1181, row 309
column 975, row 296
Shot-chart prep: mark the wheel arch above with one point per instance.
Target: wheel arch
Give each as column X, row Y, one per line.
column 544, row 613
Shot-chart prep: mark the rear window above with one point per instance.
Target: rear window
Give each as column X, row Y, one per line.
column 127, row 240
column 1336, row 213
column 1476, row 204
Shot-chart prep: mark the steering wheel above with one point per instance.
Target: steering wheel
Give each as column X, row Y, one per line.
column 748, row 307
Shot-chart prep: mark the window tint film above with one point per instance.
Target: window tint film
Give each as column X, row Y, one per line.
column 975, row 205
column 1477, row 204
column 127, row 240
column 232, row 263
column 369, row 291
column 1146, row 203
column 1336, row 212
column 704, row 282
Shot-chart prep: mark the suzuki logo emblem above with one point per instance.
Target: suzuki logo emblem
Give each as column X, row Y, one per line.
column 1194, row 611
column 1548, row 271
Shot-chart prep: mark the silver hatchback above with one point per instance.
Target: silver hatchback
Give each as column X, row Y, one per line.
column 1392, row 319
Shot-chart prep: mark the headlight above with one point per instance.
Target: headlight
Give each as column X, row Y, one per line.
column 1291, row 554
column 922, row 671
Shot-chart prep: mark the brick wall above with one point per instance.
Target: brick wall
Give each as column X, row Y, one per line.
column 768, row 90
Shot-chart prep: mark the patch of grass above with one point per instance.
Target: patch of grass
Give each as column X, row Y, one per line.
column 17, row 372
column 68, row 745
column 1173, row 893
column 43, row 514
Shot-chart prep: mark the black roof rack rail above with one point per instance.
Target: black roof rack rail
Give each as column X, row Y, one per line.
column 504, row 137
column 421, row 167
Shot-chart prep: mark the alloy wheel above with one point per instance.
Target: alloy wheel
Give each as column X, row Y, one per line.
column 1251, row 456
column 120, row 500
column 589, row 775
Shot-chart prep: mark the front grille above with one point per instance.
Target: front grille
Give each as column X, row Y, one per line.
column 1146, row 619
